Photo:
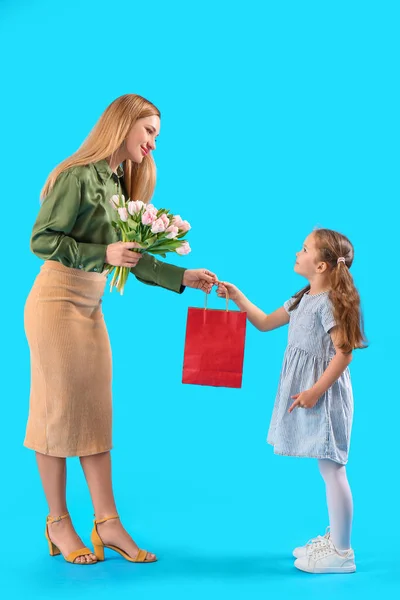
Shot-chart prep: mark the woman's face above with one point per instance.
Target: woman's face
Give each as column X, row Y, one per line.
column 142, row 138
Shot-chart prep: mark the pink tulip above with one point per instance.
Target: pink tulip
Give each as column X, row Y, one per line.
column 151, row 209
column 172, row 232
column 184, row 249
column 185, row 226
column 158, row 226
column 123, row 214
column 114, row 201
column 135, row 206
column 165, row 220
column 177, row 221
column 148, row 218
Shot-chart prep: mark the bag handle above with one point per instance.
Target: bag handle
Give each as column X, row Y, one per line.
column 226, row 298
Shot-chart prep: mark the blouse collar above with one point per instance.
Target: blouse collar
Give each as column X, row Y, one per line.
column 105, row 171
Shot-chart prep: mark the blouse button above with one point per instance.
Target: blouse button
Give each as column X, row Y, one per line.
column 81, row 266
column 95, row 269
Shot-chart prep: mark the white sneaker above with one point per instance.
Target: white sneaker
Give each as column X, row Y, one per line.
column 327, row 560
column 317, row 542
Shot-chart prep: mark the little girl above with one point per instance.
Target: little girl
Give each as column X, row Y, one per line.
column 313, row 411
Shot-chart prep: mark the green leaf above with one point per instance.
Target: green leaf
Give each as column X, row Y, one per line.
column 168, row 248
column 147, row 233
column 132, row 237
column 132, row 224
column 149, row 241
column 157, row 243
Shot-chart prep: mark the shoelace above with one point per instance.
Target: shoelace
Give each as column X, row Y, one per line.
column 321, row 540
column 317, row 544
column 323, row 552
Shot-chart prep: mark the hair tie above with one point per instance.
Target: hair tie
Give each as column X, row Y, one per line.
column 341, row 259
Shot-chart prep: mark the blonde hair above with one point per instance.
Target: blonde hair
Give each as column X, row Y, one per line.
column 106, row 138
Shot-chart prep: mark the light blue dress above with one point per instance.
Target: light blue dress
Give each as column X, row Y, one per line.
column 324, row 430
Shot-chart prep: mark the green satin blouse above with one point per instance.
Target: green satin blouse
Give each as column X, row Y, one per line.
column 74, row 226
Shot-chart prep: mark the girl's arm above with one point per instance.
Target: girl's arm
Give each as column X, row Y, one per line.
column 255, row 315
column 338, row 364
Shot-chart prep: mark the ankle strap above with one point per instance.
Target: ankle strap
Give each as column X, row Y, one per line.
column 51, row 519
column 104, row 519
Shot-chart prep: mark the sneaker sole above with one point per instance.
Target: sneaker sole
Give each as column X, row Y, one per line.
column 344, row 570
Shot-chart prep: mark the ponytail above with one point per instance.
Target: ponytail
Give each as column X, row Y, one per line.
column 346, row 308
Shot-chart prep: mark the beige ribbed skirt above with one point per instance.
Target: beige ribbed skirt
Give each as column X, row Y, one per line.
column 70, row 400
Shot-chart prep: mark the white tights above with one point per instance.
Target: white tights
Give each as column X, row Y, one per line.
column 339, row 500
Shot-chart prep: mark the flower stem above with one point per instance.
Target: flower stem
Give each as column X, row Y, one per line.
column 113, row 279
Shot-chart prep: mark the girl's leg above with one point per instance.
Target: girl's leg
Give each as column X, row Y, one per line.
column 53, row 473
column 340, row 502
column 97, row 469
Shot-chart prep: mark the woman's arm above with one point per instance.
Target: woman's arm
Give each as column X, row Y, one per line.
column 255, row 315
column 151, row 271
column 56, row 219
column 155, row 272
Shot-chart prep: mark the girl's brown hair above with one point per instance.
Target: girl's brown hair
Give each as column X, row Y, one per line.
column 106, row 138
column 343, row 293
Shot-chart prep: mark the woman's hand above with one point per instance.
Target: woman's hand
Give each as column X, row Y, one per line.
column 306, row 399
column 233, row 291
column 120, row 254
column 200, row 279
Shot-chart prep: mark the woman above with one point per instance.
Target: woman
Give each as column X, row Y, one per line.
column 70, row 401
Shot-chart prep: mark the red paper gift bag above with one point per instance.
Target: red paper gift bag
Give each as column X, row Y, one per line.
column 214, row 347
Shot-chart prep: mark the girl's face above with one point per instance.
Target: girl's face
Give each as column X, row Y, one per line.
column 307, row 262
column 142, row 138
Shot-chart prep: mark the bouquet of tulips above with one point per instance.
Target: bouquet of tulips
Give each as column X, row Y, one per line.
column 157, row 231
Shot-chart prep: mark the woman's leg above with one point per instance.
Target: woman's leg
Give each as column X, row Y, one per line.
column 340, row 502
column 53, row 473
column 97, row 469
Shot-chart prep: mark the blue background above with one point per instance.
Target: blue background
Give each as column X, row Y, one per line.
column 276, row 117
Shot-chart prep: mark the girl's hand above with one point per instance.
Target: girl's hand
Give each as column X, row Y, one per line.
column 233, row 291
column 305, row 399
column 120, row 254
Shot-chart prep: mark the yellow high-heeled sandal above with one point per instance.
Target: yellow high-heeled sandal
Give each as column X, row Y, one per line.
column 99, row 545
column 55, row 551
